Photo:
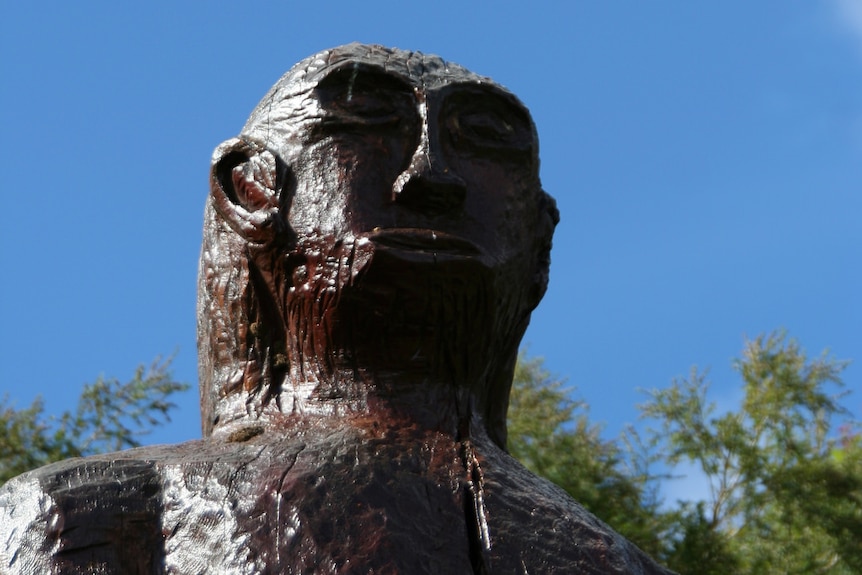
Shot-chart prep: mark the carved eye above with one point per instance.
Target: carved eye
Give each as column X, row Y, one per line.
column 485, row 127
column 358, row 95
column 487, row 122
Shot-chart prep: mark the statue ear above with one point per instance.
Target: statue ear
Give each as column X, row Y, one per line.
column 243, row 188
column 549, row 217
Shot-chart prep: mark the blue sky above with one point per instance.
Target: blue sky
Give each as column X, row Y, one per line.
column 706, row 159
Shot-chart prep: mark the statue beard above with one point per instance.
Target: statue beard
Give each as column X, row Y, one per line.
column 367, row 321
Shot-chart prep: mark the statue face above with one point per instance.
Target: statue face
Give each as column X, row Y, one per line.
column 381, row 212
column 424, row 173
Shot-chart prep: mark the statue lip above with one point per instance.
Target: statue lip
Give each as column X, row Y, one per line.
column 425, row 240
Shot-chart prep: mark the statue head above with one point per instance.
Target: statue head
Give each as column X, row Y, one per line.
column 378, row 226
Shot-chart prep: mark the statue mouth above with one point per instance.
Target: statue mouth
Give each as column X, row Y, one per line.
column 423, row 241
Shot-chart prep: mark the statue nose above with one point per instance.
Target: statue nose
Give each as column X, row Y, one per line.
column 429, row 187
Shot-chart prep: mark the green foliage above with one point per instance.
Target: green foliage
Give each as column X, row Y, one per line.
column 780, row 500
column 110, row 416
column 695, row 546
column 785, row 494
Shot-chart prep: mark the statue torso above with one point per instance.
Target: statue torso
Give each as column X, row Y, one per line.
column 327, row 498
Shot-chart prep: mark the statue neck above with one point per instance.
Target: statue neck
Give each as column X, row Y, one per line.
column 413, row 371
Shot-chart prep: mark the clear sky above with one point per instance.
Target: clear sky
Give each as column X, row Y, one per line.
column 706, row 159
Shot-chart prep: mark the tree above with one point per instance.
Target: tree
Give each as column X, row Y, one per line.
column 784, row 498
column 550, row 433
column 109, row 416
column 785, row 491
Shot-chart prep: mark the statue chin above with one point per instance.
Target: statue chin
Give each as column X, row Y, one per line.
column 387, row 307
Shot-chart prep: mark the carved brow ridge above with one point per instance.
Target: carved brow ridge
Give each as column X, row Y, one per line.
column 477, row 86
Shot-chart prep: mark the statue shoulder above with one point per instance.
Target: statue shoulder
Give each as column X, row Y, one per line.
column 67, row 516
column 540, row 525
column 134, row 511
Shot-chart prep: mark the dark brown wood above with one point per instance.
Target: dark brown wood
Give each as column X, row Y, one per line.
column 374, row 242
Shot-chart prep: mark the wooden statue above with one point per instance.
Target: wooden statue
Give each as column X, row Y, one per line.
column 374, row 242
